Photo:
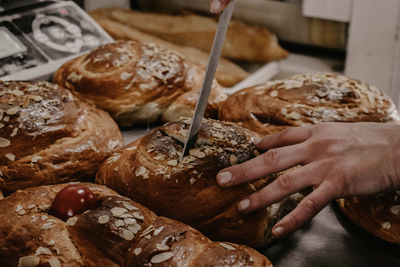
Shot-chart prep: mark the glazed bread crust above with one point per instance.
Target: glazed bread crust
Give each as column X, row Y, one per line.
column 119, row 232
column 137, row 83
column 304, row 100
column 149, row 172
column 49, row 136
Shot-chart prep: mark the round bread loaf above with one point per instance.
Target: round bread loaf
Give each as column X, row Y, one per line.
column 48, row 136
column 378, row 214
column 138, row 83
column 119, row 232
column 150, row 172
column 307, row 99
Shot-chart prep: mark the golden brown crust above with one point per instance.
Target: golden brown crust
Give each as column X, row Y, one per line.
column 119, row 232
column 304, row 100
column 378, row 214
column 149, row 171
column 227, row 73
column 243, row 42
column 135, row 82
column 49, row 136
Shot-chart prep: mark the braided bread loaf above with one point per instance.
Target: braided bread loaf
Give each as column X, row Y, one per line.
column 149, row 172
column 49, row 136
column 307, row 99
column 138, row 83
column 119, row 232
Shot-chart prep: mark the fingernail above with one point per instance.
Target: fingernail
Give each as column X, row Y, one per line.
column 215, row 7
column 257, row 140
column 224, row 178
column 278, row 231
column 244, row 204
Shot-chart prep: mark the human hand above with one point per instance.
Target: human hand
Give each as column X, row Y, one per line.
column 217, row 6
column 336, row 159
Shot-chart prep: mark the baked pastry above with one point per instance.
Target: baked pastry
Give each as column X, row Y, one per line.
column 227, row 74
column 118, row 232
column 137, row 83
column 377, row 214
column 304, row 100
column 243, row 42
column 49, row 136
column 149, row 172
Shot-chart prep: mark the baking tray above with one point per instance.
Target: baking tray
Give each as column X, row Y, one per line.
column 329, row 240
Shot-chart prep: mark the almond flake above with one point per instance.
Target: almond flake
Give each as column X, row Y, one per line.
column 130, row 221
column 386, row 225
column 227, row 246
column 36, row 159
column 18, row 208
column 103, row 219
column 43, row 251
column 137, row 251
column 119, row 223
column 162, row 247
column 127, row 235
column 138, row 215
column 47, row 226
column 14, row 132
column 51, row 243
column 10, row 156
column 125, row 76
column 274, row 93
column 135, row 228
column 13, row 110
column 117, row 211
column 162, row 257
column 129, row 206
column 142, row 171
column 172, row 162
column 72, row 221
column 54, row 262
column 28, row 261
column 197, row 153
column 233, row 159
column 395, row 209
column 4, row 142
column 192, row 180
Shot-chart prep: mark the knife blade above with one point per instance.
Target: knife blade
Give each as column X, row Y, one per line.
column 208, row 77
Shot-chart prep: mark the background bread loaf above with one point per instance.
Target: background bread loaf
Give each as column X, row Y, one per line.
column 119, row 232
column 227, row 74
column 149, row 172
column 136, row 83
column 49, row 136
column 243, row 42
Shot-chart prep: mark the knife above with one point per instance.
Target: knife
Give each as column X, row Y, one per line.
column 208, row 77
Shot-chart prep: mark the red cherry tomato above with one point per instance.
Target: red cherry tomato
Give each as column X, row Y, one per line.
column 73, row 200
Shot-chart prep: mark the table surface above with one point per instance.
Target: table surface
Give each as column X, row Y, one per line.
column 329, row 240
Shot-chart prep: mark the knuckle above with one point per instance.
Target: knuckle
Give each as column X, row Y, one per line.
column 309, row 205
column 271, row 157
column 285, row 181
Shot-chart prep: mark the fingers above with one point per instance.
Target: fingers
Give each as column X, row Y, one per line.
column 306, row 210
column 274, row 160
column 217, row 6
column 286, row 137
column 289, row 183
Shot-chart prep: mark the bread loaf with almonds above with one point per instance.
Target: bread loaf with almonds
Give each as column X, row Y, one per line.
column 138, row 83
column 118, row 232
column 307, row 99
column 150, row 172
column 49, row 136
